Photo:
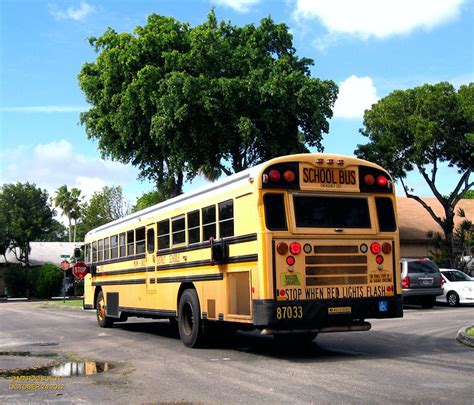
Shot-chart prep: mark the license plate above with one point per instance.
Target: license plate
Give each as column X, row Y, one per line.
column 339, row 310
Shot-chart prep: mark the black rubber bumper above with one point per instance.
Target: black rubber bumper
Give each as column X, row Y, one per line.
column 318, row 314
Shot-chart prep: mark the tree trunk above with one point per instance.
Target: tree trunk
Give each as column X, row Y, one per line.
column 70, row 236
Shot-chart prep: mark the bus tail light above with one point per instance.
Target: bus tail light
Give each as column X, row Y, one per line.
column 274, row 175
column 375, row 248
column 379, row 259
column 282, row 248
column 387, row 248
column 406, row 282
column 295, row 248
column 289, row 176
column 290, row 260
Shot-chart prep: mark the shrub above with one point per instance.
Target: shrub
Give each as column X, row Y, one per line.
column 16, row 281
column 46, row 281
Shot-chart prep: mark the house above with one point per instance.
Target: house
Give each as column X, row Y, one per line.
column 45, row 252
column 417, row 227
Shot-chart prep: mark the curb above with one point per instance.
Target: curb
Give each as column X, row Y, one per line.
column 464, row 338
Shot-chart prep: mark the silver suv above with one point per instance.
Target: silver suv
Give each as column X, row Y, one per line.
column 421, row 282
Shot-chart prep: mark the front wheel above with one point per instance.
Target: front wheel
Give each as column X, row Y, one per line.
column 189, row 319
column 102, row 319
column 453, row 299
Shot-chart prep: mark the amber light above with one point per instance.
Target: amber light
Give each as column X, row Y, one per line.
column 295, row 248
column 369, row 180
column 282, row 248
column 375, row 248
column 289, row 176
column 274, row 175
column 387, row 248
column 290, row 260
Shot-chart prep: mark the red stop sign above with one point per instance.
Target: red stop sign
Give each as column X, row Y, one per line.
column 64, row 265
column 79, row 270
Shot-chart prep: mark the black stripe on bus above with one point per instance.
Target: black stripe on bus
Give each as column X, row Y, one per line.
column 201, row 245
column 119, row 282
column 144, row 311
column 189, row 279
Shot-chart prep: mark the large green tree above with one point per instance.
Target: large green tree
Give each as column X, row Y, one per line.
column 69, row 201
column 216, row 98
column 104, row 206
column 26, row 216
column 417, row 129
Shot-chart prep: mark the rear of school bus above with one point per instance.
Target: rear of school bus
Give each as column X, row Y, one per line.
column 330, row 245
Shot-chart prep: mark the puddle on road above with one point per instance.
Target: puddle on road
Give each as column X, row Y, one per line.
column 58, row 369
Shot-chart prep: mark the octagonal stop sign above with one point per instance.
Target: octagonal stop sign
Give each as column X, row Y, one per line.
column 79, row 270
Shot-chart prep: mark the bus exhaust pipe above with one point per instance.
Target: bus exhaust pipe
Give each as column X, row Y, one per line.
column 327, row 329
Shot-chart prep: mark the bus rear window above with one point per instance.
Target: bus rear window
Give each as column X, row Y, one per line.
column 331, row 212
column 385, row 214
column 275, row 215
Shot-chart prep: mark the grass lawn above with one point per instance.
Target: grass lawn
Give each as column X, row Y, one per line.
column 60, row 303
column 470, row 331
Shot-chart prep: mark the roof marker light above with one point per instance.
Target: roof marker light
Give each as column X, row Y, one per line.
column 369, row 180
column 289, row 176
column 274, row 175
column 330, row 161
column 382, row 181
column 340, row 162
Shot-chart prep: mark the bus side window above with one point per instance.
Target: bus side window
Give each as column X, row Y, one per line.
column 209, row 222
column 94, row 252
column 87, row 255
column 114, row 247
column 100, row 255
column 385, row 214
column 140, row 235
column 106, row 249
column 178, row 228
column 194, row 227
column 131, row 242
column 275, row 215
column 164, row 234
column 226, row 219
column 150, row 240
column 122, row 247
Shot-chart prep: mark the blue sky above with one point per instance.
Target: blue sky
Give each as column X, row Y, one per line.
column 369, row 47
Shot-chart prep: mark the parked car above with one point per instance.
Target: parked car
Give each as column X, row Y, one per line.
column 458, row 288
column 421, row 282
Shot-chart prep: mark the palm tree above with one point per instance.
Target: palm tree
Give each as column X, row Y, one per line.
column 69, row 203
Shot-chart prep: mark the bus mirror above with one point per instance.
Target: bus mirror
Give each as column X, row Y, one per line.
column 218, row 252
column 77, row 253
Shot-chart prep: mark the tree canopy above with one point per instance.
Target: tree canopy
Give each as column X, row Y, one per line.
column 69, row 201
column 419, row 129
column 26, row 215
column 216, row 98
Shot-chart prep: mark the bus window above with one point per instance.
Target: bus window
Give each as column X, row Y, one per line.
column 275, row 216
column 131, row 243
column 164, row 234
column 209, row 222
column 113, row 246
column 100, row 255
column 178, row 230
column 140, row 234
column 88, row 253
column 331, row 212
column 226, row 219
column 106, row 249
column 150, row 240
column 194, row 229
column 94, row 252
column 385, row 214
column 122, row 247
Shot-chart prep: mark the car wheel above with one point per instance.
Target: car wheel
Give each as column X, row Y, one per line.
column 453, row 299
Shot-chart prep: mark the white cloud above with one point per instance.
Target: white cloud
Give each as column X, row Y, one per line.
column 72, row 13
column 45, row 109
column 356, row 94
column 378, row 18
column 56, row 163
column 242, row 6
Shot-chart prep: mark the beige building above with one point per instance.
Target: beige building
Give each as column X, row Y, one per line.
column 415, row 222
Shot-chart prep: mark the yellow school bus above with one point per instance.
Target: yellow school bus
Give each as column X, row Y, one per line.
column 296, row 246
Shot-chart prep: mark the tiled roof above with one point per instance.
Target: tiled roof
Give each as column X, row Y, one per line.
column 415, row 221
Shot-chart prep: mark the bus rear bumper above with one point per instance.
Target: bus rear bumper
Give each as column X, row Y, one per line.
column 324, row 316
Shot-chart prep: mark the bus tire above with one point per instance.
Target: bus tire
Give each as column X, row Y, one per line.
column 189, row 319
column 102, row 319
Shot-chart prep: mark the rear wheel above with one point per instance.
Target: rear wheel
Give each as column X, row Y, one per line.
column 453, row 299
column 102, row 319
column 189, row 319
column 428, row 302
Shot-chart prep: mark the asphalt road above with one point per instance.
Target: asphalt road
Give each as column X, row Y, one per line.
column 411, row 360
